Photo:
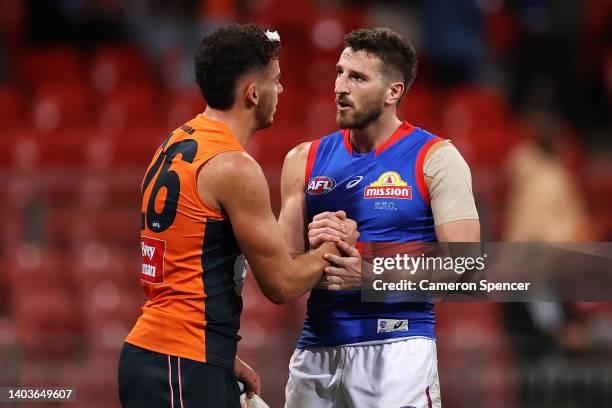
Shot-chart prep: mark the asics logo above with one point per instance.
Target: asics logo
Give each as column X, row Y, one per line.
column 354, row 182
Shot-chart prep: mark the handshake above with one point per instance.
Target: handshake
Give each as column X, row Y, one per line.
column 343, row 272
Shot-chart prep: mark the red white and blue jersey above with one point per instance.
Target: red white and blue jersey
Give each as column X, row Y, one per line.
column 384, row 191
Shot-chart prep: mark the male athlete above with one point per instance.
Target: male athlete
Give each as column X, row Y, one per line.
column 205, row 202
column 400, row 184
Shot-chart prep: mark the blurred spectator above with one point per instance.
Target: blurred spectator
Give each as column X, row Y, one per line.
column 170, row 32
column 454, row 40
column 551, row 63
column 544, row 204
column 551, row 338
column 4, row 61
column 81, row 22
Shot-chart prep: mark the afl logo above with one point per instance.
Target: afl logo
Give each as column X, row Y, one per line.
column 320, row 185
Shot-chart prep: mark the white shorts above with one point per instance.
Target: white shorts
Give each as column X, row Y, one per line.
column 402, row 374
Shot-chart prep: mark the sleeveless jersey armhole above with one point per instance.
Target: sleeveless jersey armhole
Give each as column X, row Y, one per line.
column 420, row 161
column 312, row 154
column 215, row 212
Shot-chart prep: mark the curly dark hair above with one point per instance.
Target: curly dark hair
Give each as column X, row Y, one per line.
column 395, row 52
column 228, row 54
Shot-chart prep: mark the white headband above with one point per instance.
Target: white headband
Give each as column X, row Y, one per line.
column 272, row 35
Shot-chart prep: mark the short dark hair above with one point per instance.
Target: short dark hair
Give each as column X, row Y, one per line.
column 395, row 52
column 228, row 54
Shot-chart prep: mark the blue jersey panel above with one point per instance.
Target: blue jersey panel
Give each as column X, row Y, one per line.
column 379, row 191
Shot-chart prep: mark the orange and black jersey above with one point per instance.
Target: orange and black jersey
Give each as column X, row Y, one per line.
column 192, row 266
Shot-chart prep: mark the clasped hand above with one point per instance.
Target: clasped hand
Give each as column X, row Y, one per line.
column 344, row 272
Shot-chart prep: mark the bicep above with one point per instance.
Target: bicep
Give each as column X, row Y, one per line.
column 450, row 189
column 242, row 190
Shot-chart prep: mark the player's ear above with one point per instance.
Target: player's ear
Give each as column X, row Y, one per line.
column 395, row 92
column 251, row 93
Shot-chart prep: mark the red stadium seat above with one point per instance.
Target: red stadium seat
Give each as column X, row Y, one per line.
column 55, row 156
column 95, row 381
column 10, row 106
column 598, row 191
column 110, row 314
column 23, row 154
column 52, row 335
column 183, row 105
column 121, row 187
column 479, row 124
column 271, row 12
column 129, row 108
column 258, row 308
column 129, row 148
column 292, row 110
column 58, row 225
column 321, row 116
column 117, row 66
column 110, row 293
column 489, row 146
column 63, row 148
column 4, row 299
column 39, row 373
column 470, row 108
column 271, row 146
column 419, row 107
column 95, row 261
column 21, row 190
column 262, row 322
column 58, row 65
column 61, row 107
column 32, row 267
column 119, row 225
column 134, row 148
column 321, row 77
column 329, row 25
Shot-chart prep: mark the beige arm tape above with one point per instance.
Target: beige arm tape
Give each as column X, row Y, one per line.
column 450, row 189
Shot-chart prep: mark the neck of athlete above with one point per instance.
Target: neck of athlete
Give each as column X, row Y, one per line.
column 368, row 138
column 241, row 122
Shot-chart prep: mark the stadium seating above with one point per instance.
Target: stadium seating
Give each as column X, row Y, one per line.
column 115, row 66
column 182, row 105
column 51, row 336
column 420, row 107
column 57, row 107
column 52, row 65
column 129, row 107
column 11, row 108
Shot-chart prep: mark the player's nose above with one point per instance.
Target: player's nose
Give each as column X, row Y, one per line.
column 341, row 86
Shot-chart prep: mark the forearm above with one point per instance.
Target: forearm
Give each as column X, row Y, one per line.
column 306, row 271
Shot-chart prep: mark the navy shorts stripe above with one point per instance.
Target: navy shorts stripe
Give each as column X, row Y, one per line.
column 152, row 380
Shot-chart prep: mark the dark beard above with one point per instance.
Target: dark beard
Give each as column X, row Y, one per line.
column 360, row 119
column 263, row 116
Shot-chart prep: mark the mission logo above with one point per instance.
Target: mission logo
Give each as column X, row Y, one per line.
column 389, row 185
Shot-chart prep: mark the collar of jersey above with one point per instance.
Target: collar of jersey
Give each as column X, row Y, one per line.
column 403, row 130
